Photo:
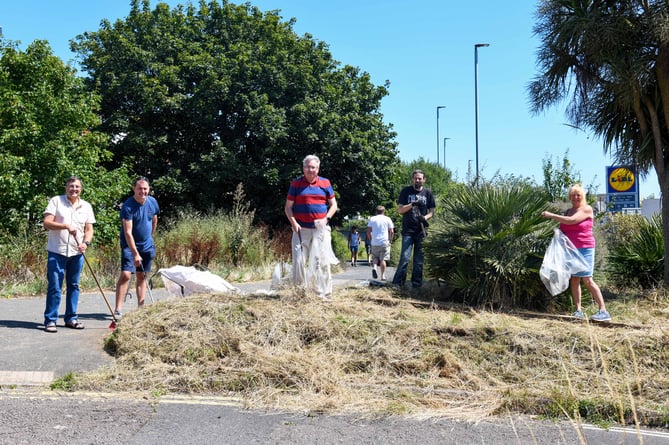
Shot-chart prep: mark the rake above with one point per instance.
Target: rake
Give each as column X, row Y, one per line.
column 112, row 326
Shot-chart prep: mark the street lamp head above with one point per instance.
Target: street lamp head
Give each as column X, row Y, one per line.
column 440, row 106
column 481, row 45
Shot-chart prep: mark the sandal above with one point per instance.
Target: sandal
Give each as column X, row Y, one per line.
column 51, row 327
column 74, row 324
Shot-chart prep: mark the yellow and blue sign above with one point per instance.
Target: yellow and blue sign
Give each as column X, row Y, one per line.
column 621, row 180
column 622, row 188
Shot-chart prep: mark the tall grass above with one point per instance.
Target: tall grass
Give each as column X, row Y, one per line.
column 23, row 263
column 227, row 243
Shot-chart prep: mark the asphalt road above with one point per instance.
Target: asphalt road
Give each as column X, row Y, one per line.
column 31, row 413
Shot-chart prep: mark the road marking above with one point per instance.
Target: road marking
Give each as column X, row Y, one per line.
column 630, row 431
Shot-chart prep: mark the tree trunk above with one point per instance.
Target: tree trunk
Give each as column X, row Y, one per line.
column 662, row 74
column 664, row 190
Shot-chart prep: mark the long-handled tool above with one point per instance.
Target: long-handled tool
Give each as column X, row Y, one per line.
column 147, row 281
column 112, row 326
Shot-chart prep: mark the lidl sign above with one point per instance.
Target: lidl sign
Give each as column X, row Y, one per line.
column 621, row 179
column 622, row 188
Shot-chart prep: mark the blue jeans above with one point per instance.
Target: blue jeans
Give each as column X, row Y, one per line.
column 57, row 268
column 409, row 243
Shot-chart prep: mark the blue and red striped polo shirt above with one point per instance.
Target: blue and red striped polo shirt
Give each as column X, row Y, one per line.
column 311, row 200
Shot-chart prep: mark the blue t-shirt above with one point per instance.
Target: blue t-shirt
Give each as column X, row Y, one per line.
column 141, row 216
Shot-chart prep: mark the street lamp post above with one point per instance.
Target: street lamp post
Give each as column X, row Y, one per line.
column 438, row 108
column 445, row 139
column 476, row 102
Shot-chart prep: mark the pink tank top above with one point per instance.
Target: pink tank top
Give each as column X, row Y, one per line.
column 580, row 234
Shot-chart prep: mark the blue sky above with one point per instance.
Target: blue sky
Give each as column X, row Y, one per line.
column 425, row 49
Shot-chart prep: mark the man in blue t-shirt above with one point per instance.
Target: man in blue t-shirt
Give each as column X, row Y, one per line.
column 139, row 218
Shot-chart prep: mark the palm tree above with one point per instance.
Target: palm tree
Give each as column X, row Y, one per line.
column 610, row 58
column 488, row 245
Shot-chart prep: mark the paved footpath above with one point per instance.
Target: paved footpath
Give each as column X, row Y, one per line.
column 31, row 413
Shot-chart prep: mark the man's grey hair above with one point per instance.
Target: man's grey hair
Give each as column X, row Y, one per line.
column 72, row 179
column 311, row 158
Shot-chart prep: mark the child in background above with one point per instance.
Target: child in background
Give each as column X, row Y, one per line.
column 354, row 245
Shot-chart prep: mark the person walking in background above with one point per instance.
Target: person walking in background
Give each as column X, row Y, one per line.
column 380, row 232
column 416, row 205
column 576, row 224
column 69, row 220
column 310, row 203
column 139, row 219
column 368, row 248
column 354, row 245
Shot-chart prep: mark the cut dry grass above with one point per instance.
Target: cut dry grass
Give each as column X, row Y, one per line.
column 371, row 352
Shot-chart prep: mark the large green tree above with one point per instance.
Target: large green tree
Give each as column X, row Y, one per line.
column 46, row 117
column 610, row 58
column 203, row 98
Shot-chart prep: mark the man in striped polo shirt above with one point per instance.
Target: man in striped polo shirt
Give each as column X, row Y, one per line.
column 310, row 204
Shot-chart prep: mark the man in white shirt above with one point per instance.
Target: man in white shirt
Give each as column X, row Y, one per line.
column 380, row 230
column 69, row 220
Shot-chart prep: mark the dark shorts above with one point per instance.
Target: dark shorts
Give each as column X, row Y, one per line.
column 128, row 260
column 354, row 248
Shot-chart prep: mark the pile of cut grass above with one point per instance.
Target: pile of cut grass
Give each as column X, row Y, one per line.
column 372, row 352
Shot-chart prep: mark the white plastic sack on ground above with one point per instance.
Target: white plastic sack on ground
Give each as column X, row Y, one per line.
column 185, row 281
column 561, row 261
column 282, row 275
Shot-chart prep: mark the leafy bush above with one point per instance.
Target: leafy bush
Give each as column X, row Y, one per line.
column 488, row 245
column 637, row 255
column 340, row 246
column 619, row 229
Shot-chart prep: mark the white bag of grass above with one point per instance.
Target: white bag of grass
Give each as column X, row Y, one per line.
column 282, row 275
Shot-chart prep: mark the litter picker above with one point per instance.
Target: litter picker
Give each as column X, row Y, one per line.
column 112, row 326
column 147, row 282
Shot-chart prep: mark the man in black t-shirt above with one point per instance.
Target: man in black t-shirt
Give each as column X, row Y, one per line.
column 416, row 205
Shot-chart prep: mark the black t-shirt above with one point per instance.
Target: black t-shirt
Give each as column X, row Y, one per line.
column 423, row 201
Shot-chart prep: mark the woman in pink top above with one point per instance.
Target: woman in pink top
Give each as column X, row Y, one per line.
column 576, row 224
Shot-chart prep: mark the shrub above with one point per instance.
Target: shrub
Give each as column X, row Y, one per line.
column 637, row 255
column 488, row 245
column 340, row 246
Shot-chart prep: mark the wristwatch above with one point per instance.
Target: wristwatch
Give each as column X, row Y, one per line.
column 88, row 243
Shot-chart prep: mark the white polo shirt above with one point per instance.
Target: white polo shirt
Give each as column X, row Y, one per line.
column 61, row 241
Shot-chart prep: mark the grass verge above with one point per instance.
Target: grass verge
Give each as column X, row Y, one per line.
column 372, row 352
